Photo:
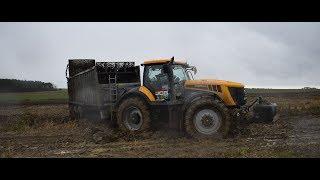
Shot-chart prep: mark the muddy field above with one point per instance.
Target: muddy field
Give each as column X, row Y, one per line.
column 43, row 131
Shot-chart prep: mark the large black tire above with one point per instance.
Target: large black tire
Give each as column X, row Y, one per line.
column 122, row 117
column 213, row 105
column 78, row 110
column 72, row 112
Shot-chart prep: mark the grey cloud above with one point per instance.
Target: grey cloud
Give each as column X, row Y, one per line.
column 256, row 54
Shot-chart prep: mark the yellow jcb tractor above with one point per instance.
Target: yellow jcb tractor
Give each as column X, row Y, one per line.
column 167, row 96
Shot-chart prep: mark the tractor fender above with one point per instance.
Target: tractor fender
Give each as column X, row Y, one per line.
column 134, row 92
column 194, row 96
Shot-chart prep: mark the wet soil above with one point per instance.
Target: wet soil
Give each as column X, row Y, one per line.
column 48, row 134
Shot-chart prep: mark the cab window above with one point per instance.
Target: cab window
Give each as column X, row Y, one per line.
column 154, row 78
column 179, row 74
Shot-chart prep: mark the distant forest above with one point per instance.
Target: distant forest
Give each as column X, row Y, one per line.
column 14, row 85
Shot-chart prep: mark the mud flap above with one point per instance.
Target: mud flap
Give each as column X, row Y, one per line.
column 264, row 113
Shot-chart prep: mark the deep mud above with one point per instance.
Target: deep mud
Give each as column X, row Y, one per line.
column 42, row 131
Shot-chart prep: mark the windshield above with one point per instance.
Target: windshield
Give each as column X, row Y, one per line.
column 180, row 73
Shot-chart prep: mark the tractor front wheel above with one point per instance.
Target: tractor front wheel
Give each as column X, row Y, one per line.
column 207, row 118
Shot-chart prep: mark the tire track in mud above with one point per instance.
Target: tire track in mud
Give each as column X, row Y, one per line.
column 305, row 135
column 306, row 129
column 299, row 134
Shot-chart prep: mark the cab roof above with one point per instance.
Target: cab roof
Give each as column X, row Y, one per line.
column 162, row 61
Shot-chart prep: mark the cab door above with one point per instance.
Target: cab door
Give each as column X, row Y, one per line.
column 157, row 81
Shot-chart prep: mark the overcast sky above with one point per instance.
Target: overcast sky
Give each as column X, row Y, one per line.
column 276, row 55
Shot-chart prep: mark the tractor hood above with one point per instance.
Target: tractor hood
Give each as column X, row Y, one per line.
column 213, row 82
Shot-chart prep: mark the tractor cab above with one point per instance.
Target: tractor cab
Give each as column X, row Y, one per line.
column 165, row 78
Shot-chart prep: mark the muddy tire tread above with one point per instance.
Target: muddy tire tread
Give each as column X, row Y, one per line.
column 207, row 102
column 143, row 107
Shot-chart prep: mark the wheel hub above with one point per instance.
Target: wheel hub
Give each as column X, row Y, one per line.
column 133, row 119
column 207, row 121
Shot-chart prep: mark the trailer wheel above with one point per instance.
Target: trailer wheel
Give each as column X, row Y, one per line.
column 133, row 116
column 207, row 118
column 72, row 113
column 78, row 112
column 75, row 111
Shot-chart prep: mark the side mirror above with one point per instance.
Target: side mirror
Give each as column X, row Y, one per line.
column 194, row 69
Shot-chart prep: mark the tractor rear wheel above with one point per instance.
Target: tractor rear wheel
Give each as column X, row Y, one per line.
column 207, row 118
column 133, row 116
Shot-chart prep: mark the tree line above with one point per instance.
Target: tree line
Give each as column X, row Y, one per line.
column 14, row 85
